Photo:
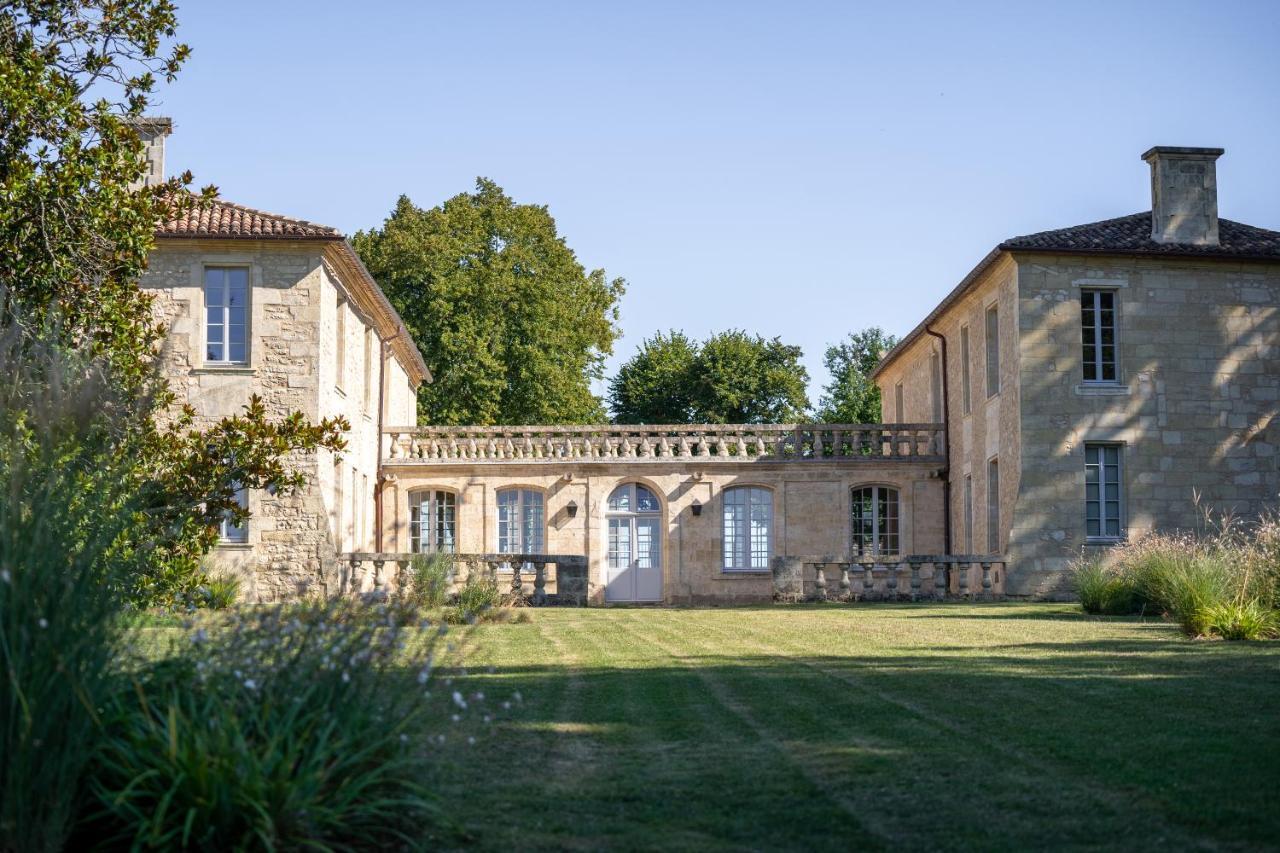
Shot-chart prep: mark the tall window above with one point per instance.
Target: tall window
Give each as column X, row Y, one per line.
column 340, row 343
column 226, row 298
column 993, row 507
column 356, row 503
column 228, row 530
column 432, row 521
column 338, row 530
column 520, row 521
column 965, row 394
column 1102, row 496
column 748, row 529
column 897, row 404
column 993, row 351
column 968, row 513
column 1098, row 334
column 935, row 385
column 875, row 520
column 368, row 369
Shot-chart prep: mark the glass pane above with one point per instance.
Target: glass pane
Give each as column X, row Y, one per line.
column 620, row 500
column 213, row 350
column 645, row 546
column 645, row 500
column 237, row 286
column 1091, row 527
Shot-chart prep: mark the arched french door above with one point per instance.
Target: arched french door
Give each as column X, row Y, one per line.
column 633, row 562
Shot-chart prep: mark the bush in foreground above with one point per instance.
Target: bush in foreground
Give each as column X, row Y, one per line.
column 1224, row 584
column 287, row 727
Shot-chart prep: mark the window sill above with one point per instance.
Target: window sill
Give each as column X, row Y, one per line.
column 1102, row 389
column 1104, row 541
column 735, row 574
column 234, row 546
column 209, row 369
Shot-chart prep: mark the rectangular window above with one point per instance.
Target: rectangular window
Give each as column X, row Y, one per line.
column 353, row 531
column 432, row 521
column 1098, row 334
column 993, row 351
column 366, row 497
column 897, row 403
column 935, row 386
column 993, row 507
column 338, row 538
column 748, row 529
column 875, row 520
column 226, row 301
column 368, row 369
column 340, row 342
column 964, row 370
column 1102, row 492
column 968, row 513
column 229, row 531
column 521, row 523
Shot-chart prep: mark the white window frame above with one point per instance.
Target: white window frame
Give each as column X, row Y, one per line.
column 1091, row 304
column 433, row 521
column 742, row 527
column 235, row 534
column 522, row 514
column 1105, row 490
column 224, row 314
column 886, row 510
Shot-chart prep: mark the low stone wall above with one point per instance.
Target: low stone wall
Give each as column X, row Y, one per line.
column 910, row 578
column 535, row 579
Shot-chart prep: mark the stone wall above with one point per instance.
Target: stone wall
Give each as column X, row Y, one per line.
column 989, row 430
column 1196, row 409
column 811, row 512
column 291, row 365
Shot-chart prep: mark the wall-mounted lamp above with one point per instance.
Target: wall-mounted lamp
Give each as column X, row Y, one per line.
column 696, row 507
column 572, row 509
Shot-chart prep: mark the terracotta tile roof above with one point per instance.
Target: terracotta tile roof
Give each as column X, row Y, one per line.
column 1127, row 235
column 1132, row 235
column 222, row 219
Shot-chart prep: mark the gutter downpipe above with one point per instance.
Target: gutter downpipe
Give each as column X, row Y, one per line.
column 378, row 477
column 946, row 430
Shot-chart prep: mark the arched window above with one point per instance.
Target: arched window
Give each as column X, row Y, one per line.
column 432, row 521
column 875, row 520
column 520, row 521
column 748, row 529
column 633, row 559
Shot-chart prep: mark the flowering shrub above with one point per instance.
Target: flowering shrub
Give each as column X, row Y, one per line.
column 291, row 726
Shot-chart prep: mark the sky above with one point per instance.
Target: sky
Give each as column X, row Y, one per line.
column 794, row 169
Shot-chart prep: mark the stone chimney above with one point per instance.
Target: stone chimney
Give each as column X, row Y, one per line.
column 152, row 130
column 1184, row 195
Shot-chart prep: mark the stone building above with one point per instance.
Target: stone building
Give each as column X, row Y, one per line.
column 257, row 303
column 1077, row 388
column 1103, row 381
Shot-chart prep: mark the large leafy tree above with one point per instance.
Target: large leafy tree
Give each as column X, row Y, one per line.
column 512, row 326
column 732, row 377
column 75, row 233
column 851, row 397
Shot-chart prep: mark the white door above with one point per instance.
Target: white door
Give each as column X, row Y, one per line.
column 633, row 561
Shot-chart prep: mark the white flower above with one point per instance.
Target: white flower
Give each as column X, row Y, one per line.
column 250, row 684
column 346, row 676
column 471, row 741
column 456, row 718
column 478, row 696
column 458, row 700
column 506, row 706
column 43, row 622
column 5, row 576
column 516, row 696
column 404, row 738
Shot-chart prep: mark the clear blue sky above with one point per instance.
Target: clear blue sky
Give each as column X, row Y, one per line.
column 793, row 169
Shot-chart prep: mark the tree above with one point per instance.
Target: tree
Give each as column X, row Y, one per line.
column 656, row 385
column 731, row 377
column 512, row 326
column 75, row 233
column 851, row 397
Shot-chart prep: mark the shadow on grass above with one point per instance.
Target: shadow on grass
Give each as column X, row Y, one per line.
column 1111, row 743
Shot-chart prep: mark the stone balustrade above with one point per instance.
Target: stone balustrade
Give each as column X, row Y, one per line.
column 533, row 579
column 811, row 443
column 908, row 578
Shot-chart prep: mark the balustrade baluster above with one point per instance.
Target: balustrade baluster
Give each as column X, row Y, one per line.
column 517, row 581
column 846, row 589
column 817, row 445
column 742, row 445
column 986, row 580
column 355, row 577
column 646, row 448
column 868, row 579
column 915, row 580
column 539, row 583
column 964, row 580
column 377, row 576
column 891, row 582
column 664, row 447
column 685, row 452
column 402, row 569
column 820, row 582
column 761, row 450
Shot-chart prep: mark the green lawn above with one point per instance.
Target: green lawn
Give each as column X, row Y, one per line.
column 1002, row 726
